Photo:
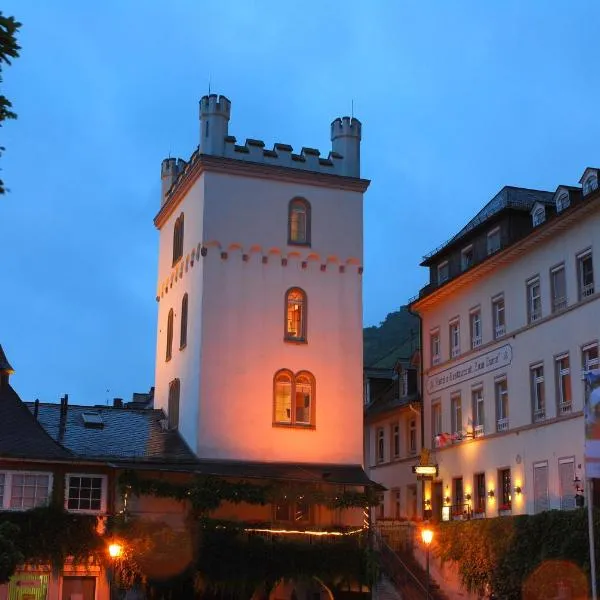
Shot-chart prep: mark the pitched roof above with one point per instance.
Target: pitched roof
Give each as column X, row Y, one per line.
column 21, row 436
column 4, row 364
column 118, row 434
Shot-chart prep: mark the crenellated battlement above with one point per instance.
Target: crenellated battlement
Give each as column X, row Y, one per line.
column 346, row 127
column 215, row 105
column 215, row 110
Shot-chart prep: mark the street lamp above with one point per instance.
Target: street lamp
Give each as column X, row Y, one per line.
column 427, row 537
column 115, row 551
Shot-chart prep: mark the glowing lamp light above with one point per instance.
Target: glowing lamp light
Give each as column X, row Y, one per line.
column 115, row 550
column 427, row 536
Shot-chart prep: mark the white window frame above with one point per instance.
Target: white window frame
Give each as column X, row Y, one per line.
column 541, row 504
column 464, row 253
column 563, row 202
column 538, row 404
column 380, row 445
column 412, row 436
column 454, row 330
column 534, row 300
column 558, row 302
column 584, row 290
column 455, row 413
column 561, row 372
column 475, row 326
column 435, row 346
column 502, row 400
column 491, row 238
column 7, row 490
column 478, row 408
column 567, row 496
column 590, row 184
column 443, row 267
column 588, row 364
column 499, row 308
column 103, row 497
column 436, row 419
column 539, row 216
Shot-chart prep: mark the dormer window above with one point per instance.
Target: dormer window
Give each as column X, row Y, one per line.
column 590, row 184
column 562, row 202
column 493, row 241
column 466, row 258
column 443, row 272
column 539, row 216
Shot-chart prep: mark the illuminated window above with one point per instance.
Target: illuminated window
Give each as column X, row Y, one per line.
column 293, row 398
column 169, row 335
column 29, row 490
column 299, row 222
column 173, row 408
column 295, row 315
column 178, row 239
column 504, row 485
column 297, row 511
column 184, row 320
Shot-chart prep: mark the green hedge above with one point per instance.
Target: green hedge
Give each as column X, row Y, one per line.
column 503, row 553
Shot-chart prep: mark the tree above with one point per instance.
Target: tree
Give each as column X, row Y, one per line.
column 8, row 49
column 10, row 557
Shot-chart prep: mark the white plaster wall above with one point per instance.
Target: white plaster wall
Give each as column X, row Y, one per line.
column 540, row 342
column 236, row 320
column 184, row 363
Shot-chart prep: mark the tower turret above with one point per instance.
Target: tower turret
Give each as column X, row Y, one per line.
column 345, row 140
column 214, row 123
column 168, row 174
column 5, row 369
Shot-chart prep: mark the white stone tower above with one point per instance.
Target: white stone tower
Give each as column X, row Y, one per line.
column 259, row 337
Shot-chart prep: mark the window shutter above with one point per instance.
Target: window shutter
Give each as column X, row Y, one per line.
column 566, row 474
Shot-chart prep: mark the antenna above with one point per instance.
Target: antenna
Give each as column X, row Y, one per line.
column 352, row 113
column 209, row 85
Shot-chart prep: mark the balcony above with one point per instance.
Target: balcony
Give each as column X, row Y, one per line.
column 535, row 315
column 476, row 342
column 502, row 424
column 455, row 351
column 435, row 359
column 539, row 414
column 587, row 290
column 564, row 408
column 478, row 431
column 559, row 303
column 499, row 331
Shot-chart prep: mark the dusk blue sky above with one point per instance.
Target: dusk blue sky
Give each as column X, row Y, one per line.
column 457, row 99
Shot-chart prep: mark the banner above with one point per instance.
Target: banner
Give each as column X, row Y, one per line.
column 592, row 424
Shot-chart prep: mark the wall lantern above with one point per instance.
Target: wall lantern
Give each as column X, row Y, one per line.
column 428, row 503
column 447, row 499
column 518, row 490
column 468, row 497
column 491, row 494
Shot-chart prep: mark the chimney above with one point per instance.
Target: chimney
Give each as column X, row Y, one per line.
column 36, row 408
column 117, row 402
column 62, row 425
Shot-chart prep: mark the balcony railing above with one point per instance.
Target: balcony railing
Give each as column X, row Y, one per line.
column 559, row 303
column 587, row 290
column 500, row 330
column 539, row 414
column 535, row 315
column 564, row 408
column 435, row 359
column 476, row 342
column 502, row 424
column 478, row 431
column 455, row 351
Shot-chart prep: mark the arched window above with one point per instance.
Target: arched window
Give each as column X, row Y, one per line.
column 295, row 315
column 562, row 202
column 169, row 335
column 184, row 320
column 294, row 398
column 173, row 407
column 590, row 184
column 539, row 216
column 178, row 238
column 299, row 222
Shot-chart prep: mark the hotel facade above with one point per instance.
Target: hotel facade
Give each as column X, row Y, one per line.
column 510, row 322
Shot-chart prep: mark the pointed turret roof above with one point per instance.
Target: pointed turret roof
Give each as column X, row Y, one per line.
column 4, row 364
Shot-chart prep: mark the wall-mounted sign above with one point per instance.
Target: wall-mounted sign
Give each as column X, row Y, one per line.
column 480, row 365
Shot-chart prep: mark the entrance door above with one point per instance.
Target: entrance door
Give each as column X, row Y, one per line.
column 79, row 588
column 437, row 500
